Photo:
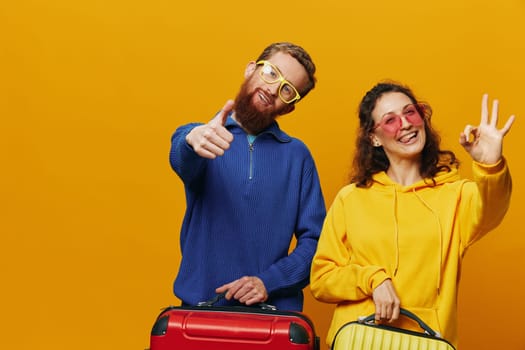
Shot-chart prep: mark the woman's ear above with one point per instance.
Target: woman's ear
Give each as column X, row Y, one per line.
column 374, row 140
column 250, row 68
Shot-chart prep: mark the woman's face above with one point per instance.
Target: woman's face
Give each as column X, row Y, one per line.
column 398, row 127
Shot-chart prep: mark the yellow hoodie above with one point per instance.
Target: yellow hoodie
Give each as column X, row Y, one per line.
column 415, row 235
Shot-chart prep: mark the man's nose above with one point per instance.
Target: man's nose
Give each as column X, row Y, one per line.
column 273, row 88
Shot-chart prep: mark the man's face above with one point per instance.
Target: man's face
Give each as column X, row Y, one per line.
column 258, row 102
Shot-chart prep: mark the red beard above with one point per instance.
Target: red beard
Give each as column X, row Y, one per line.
column 250, row 118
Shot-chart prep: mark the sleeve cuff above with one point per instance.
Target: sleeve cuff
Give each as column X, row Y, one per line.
column 377, row 278
column 489, row 168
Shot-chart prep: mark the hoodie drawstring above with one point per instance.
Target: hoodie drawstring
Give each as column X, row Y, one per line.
column 396, row 229
column 440, row 236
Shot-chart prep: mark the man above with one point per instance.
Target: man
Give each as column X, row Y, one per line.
column 249, row 189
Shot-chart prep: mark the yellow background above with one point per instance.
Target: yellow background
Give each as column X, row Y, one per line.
column 91, row 91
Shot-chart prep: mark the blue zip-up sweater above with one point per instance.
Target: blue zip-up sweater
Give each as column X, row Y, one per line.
column 242, row 210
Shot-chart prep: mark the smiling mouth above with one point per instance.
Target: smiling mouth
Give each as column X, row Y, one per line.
column 408, row 137
column 264, row 97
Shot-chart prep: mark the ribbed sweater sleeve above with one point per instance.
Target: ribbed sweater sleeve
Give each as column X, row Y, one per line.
column 183, row 160
column 293, row 271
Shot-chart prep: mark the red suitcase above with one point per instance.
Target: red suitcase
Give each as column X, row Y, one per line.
column 206, row 327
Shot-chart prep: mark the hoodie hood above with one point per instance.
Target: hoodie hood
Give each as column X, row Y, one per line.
column 441, row 178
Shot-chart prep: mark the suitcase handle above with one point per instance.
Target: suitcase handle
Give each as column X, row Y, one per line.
column 212, row 301
column 219, row 296
column 405, row 312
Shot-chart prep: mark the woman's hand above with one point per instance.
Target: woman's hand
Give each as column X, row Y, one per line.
column 484, row 143
column 386, row 301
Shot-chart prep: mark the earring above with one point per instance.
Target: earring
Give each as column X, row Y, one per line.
column 376, row 144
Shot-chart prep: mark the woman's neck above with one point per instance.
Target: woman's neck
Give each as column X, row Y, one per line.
column 404, row 174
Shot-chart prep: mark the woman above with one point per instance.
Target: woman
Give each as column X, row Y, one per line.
column 395, row 236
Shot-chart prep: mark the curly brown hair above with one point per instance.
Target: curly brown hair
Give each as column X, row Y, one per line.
column 369, row 160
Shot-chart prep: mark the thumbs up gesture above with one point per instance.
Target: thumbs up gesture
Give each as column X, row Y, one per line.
column 212, row 139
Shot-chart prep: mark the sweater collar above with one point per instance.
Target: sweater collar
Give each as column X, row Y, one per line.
column 272, row 130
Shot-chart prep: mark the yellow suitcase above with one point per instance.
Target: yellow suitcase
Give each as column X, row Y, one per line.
column 365, row 334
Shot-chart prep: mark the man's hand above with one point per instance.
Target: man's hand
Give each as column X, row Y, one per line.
column 247, row 290
column 212, row 139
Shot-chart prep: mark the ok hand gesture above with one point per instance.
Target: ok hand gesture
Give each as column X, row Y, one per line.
column 484, row 143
